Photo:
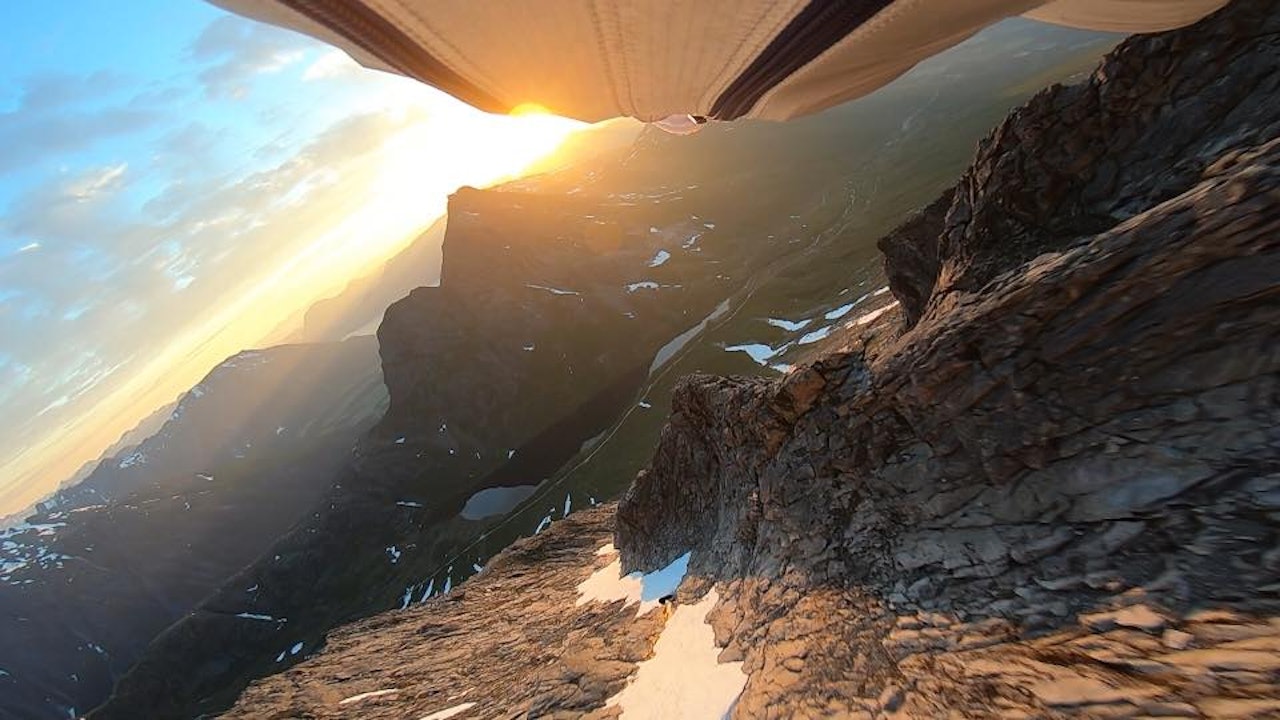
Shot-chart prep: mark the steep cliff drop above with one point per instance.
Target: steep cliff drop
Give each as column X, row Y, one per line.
column 1047, row 484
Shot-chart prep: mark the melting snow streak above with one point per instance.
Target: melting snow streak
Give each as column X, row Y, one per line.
column 553, row 291
column 449, row 712
column 367, row 695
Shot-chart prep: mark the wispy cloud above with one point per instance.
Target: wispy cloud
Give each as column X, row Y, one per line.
column 96, row 183
column 238, row 49
column 331, row 64
column 33, row 136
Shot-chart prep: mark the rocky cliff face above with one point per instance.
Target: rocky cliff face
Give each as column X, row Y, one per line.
column 1156, row 119
column 544, row 305
column 1077, row 434
column 1054, row 493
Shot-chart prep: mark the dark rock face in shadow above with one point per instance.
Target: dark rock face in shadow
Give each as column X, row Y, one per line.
column 911, row 256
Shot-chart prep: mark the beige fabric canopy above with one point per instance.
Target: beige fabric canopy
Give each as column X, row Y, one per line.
column 650, row 59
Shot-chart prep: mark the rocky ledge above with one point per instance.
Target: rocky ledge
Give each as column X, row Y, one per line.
column 1048, row 486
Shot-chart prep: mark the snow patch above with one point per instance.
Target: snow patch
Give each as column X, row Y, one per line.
column 676, row 344
column 684, row 679
column 449, row 712
column 840, row 311
column 542, row 524
column 815, row 336
column 608, row 584
column 872, row 316
column 759, row 352
column 259, row 616
column 789, row 325
column 659, row 258
column 552, row 290
column 367, row 695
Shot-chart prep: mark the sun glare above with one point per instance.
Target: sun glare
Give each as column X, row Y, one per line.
column 442, row 145
column 529, row 109
column 423, row 163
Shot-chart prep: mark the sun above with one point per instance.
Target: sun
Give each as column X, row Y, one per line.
column 439, row 146
column 529, row 108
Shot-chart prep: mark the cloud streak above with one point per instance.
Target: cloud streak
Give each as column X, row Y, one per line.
column 238, row 50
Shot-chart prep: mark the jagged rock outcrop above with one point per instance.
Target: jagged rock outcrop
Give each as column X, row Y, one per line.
column 1158, row 117
column 1057, row 493
column 911, row 256
column 1011, row 507
column 1099, row 431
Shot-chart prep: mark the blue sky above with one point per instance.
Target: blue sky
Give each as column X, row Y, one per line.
column 163, row 164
